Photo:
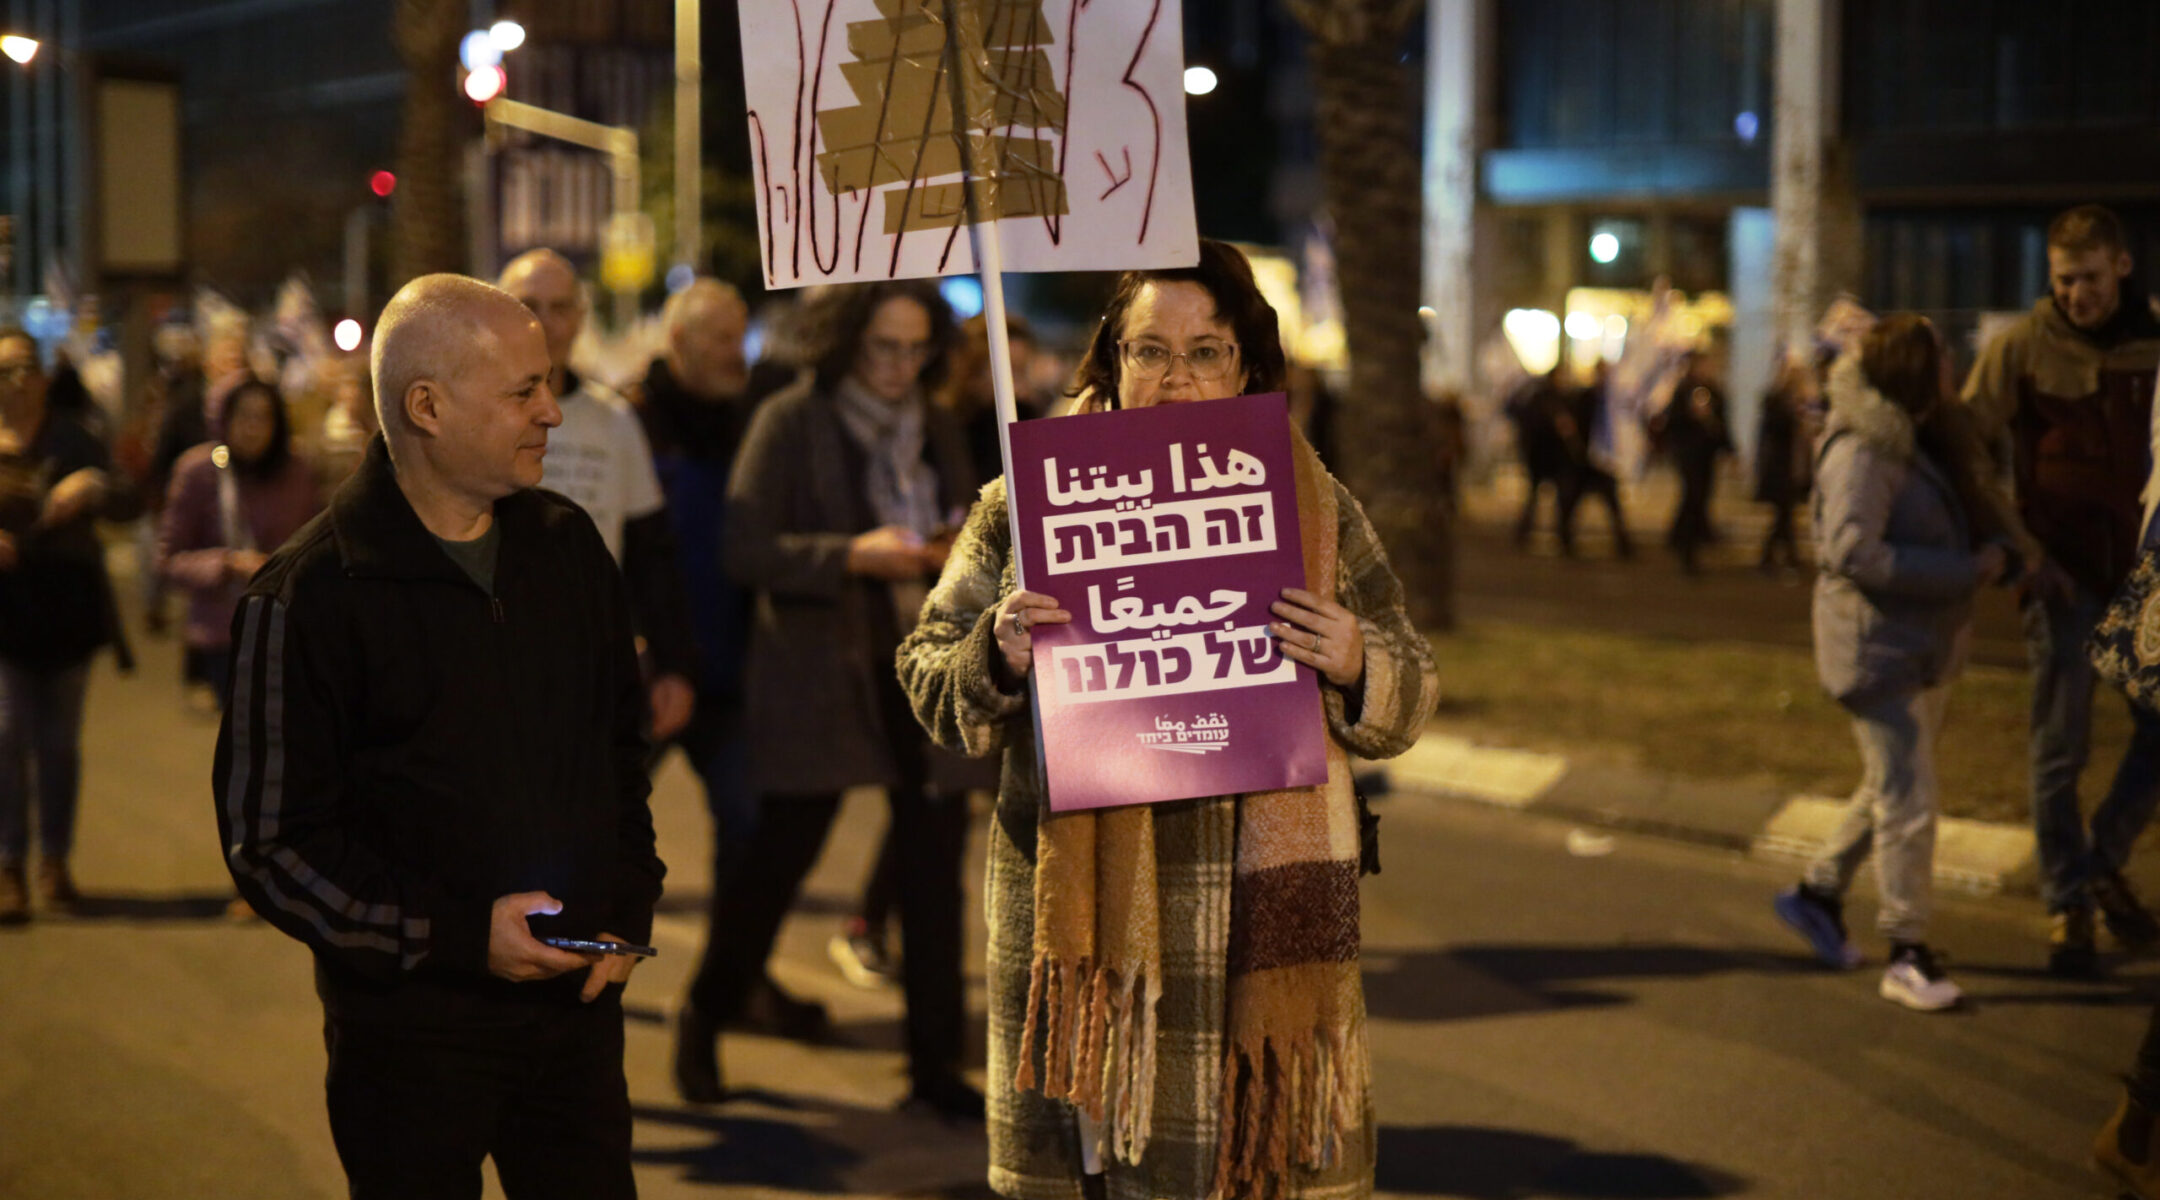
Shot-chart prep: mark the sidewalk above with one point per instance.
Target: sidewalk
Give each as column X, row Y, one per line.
column 1648, row 597
column 1978, row 858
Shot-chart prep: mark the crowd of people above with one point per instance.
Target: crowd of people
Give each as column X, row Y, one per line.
column 454, row 620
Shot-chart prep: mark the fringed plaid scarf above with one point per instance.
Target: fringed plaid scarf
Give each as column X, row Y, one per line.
column 1294, row 1071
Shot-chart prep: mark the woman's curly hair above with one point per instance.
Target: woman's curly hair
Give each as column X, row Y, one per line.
column 834, row 320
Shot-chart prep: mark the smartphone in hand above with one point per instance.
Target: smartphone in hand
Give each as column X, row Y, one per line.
column 581, row 946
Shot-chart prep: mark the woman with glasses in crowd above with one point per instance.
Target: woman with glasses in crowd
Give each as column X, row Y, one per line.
column 838, row 515
column 1183, row 975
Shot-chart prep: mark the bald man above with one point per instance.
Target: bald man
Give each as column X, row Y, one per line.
column 600, row 459
column 695, row 404
column 432, row 761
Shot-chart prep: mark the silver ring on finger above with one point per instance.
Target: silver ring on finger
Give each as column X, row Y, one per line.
column 1019, row 629
column 1315, row 643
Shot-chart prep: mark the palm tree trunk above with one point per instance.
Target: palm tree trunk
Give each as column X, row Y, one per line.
column 427, row 217
column 1370, row 171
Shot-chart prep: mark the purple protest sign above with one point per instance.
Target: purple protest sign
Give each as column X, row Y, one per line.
column 1166, row 532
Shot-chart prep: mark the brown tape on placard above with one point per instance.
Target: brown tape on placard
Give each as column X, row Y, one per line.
column 943, row 205
column 892, row 160
column 900, row 130
column 912, row 31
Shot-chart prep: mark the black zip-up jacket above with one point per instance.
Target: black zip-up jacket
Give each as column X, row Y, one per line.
column 402, row 748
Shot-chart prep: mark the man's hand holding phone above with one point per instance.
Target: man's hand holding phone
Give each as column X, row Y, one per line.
column 515, row 954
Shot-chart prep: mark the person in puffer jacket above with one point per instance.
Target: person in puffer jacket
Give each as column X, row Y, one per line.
column 1904, row 537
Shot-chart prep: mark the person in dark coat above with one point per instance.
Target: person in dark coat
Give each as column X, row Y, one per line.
column 1537, row 410
column 2063, row 401
column 1693, row 429
column 840, row 512
column 1784, row 459
column 434, row 761
column 1581, row 420
column 56, row 610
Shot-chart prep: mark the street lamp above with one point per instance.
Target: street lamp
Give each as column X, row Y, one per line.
column 21, row 49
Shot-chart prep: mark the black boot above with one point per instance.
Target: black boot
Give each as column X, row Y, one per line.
column 697, row 1057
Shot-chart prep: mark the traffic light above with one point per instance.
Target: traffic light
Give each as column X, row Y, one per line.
column 382, row 183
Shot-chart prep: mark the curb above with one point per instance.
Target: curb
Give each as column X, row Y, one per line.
column 1976, row 858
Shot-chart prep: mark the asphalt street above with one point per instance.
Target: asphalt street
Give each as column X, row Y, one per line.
column 1555, row 1013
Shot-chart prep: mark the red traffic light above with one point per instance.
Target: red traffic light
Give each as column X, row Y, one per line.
column 382, row 183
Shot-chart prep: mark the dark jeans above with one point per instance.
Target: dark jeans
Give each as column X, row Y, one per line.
column 926, row 837
column 1583, row 481
column 1536, row 484
column 717, row 744
column 2070, row 852
column 41, row 719
column 539, row 1087
column 1691, row 517
column 1781, row 535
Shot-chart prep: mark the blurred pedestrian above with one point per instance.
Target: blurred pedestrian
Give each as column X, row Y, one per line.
column 1784, row 460
column 348, row 422
column 968, row 394
column 433, row 759
column 862, row 950
column 1537, row 410
column 231, row 502
column 2063, row 400
column 1584, row 433
column 1215, row 1067
column 695, row 409
column 600, row 459
column 1903, row 540
column 1692, row 429
column 837, row 515
column 56, row 610
column 191, row 394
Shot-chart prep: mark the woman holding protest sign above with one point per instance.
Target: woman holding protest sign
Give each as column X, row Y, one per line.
column 1181, row 976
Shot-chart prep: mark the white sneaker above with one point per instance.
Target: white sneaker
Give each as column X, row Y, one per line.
column 1915, row 981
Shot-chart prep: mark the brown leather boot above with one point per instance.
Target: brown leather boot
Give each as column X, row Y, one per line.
column 2124, row 1151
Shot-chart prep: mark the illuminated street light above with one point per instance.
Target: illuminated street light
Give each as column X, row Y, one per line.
column 1605, row 247
column 347, row 335
column 1199, row 81
column 479, row 50
column 21, row 49
column 507, row 35
column 485, row 84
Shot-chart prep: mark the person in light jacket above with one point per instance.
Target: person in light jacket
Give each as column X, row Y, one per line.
column 1904, row 538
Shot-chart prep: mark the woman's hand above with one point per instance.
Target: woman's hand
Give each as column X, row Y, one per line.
column 1321, row 634
column 1019, row 613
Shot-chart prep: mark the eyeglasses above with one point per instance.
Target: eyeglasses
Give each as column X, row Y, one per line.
column 887, row 350
column 1208, row 361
